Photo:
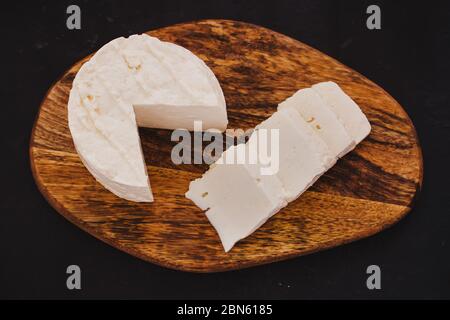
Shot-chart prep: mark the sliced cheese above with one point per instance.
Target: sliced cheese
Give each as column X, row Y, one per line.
column 304, row 156
column 131, row 82
column 238, row 198
column 347, row 111
column 236, row 192
column 314, row 130
column 321, row 119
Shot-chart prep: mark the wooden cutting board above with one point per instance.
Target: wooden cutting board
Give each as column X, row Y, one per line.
column 365, row 192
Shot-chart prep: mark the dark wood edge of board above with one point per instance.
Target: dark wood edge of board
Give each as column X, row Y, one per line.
column 180, row 267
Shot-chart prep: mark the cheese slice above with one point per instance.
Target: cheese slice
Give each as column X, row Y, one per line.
column 234, row 193
column 347, row 111
column 131, row 82
column 321, row 119
column 304, row 156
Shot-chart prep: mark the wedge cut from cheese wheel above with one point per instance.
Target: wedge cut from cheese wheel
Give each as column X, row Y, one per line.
column 234, row 193
column 303, row 155
column 321, row 119
column 347, row 111
column 131, row 82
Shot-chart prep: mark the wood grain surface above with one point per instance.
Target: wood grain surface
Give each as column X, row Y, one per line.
column 368, row 190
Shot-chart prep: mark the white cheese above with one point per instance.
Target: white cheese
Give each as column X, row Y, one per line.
column 131, row 82
column 304, row 156
column 347, row 111
column 314, row 130
column 321, row 119
column 237, row 199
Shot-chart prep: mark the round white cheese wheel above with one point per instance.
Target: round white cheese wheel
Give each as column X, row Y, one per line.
column 131, row 82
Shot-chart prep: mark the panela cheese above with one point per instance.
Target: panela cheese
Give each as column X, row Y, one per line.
column 316, row 127
column 131, row 82
column 347, row 111
column 321, row 119
column 304, row 156
column 237, row 201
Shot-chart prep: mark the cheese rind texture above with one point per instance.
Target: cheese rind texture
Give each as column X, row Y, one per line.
column 314, row 131
column 131, row 82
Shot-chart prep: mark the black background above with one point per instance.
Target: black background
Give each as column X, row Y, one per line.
column 409, row 58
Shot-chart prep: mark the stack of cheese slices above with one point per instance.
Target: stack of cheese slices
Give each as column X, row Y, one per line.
column 316, row 127
column 131, row 82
